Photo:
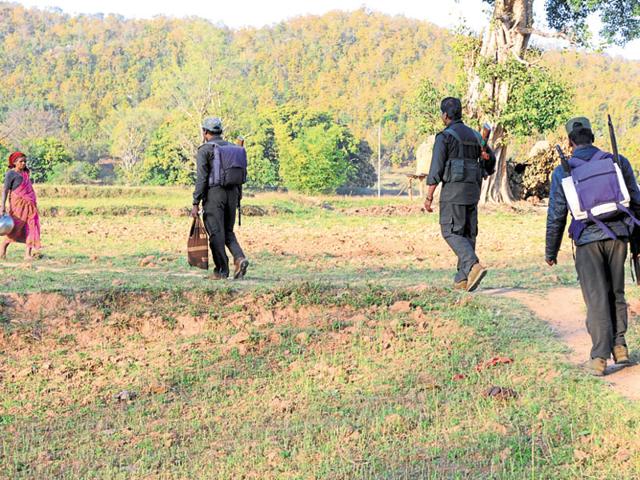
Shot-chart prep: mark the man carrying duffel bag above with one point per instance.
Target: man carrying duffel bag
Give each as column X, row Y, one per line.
column 221, row 172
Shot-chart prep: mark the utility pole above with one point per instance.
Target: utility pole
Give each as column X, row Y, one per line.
column 379, row 153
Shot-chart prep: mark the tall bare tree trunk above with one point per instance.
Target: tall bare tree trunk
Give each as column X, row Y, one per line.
column 507, row 38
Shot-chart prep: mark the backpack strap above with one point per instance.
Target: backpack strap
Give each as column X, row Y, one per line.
column 600, row 155
column 216, row 164
column 478, row 137
column 602, row 226
column 629, row 214
column 453, row 133
column 461, row 142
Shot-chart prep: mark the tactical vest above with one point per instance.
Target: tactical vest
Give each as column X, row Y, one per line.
column 463, row 174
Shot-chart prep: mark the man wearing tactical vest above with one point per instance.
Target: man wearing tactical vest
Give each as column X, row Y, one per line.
column 219, row 198
column 584, row 185
column 460, row 164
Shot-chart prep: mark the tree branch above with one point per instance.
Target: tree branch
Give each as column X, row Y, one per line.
column 547, row 34
column 521, row 60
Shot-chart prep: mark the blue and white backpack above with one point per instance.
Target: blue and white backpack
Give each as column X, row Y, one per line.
column 595, row 191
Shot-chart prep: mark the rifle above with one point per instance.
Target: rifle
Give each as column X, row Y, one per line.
column 563, row 160
column 240, row 142
column 239, row 207
column 614, row 143
column 634, row 238
column 485, row 131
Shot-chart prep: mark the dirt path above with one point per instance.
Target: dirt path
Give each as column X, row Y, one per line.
column 564, row 310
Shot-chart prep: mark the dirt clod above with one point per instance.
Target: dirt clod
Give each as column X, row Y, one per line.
column 580, row 456
column 125, row 396
column 400, row 307
column 147, row 261
column 493, row 362
column 500, row 393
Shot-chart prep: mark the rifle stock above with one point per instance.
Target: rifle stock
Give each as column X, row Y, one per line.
column 485, row 132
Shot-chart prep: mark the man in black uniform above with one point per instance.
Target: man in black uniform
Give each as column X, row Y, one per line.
column 599, row 258
column 219, row 205
column 460, row 164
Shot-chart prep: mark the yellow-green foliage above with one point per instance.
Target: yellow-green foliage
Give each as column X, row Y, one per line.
column 92, row 71
column 604, row 85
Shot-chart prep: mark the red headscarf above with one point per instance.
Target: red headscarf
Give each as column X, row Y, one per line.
column 13, row 157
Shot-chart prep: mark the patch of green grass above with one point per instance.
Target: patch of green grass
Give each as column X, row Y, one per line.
column 377, row 398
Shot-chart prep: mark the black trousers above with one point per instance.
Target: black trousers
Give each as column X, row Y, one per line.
column 600, row 267
column 219, row 218
column 459, row 225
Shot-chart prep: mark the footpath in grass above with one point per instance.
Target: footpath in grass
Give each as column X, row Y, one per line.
column 302, row 381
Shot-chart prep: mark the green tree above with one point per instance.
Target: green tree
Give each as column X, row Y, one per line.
column 537, row 101
column 292, row 129
column 313, row 162
column 130, row 138
column 360, row 173
column 44, row 155
column 262, row 156
column 426, row 107
column 165, row 160
column 4, row 154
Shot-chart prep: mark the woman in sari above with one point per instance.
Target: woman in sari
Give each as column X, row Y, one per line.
column 23, row 207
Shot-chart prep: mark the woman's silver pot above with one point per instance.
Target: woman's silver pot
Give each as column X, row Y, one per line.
column 6, row 224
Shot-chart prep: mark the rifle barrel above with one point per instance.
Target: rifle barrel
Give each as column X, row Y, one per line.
column 614, row 143
column 563, row 159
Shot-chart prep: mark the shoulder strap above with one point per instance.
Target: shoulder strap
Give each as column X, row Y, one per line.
column 216, row 163
column 478, row 137
column 575, row 162
column 461, row 142
column 600, row 155
column 453, row 133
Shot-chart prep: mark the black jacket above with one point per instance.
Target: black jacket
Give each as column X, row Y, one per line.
column 204, row 160
column 446, row 147
column 558, row 208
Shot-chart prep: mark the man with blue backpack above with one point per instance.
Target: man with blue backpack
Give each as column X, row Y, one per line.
column 221, row 172
column 600, row 191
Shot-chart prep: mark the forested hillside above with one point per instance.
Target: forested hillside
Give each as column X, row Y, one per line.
column 90, row 87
